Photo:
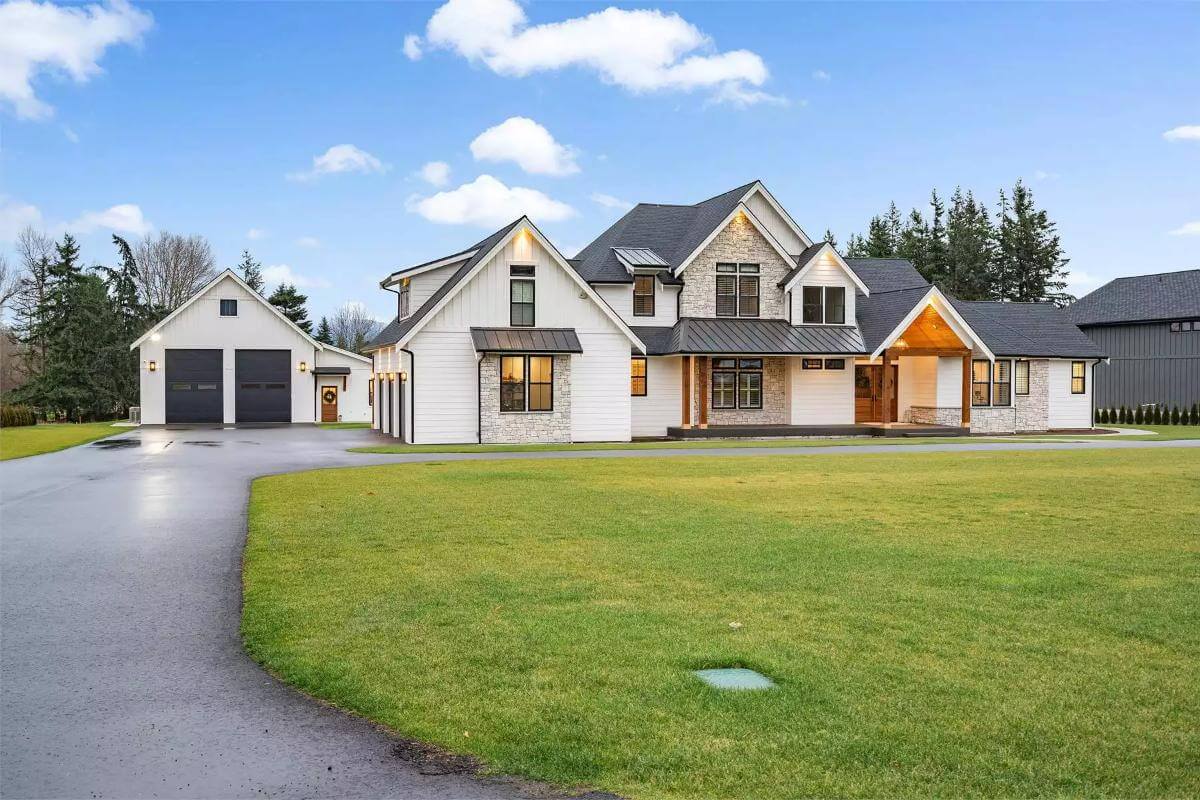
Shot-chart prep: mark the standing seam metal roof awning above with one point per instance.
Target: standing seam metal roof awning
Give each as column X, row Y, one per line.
column 525, row 340
column 752, row 337
column 330, row 370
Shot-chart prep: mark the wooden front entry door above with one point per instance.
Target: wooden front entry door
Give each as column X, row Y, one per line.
column 868, row 392
column 329, row 400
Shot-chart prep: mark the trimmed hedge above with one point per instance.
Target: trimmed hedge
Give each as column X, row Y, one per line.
column 17, row 416
column 1149, row 415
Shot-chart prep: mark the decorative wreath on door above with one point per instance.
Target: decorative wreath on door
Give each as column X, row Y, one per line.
column 329, row 396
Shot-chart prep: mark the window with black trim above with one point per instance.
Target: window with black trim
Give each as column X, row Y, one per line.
column 737, row 383
column 402, row 298
column 811, row 363
column 520, row 295
column 527, row 383
column 823, row 305
column 229, row 308
column 1078, row 377
column 1002, row 383
column 835, row 363
column 737, row 290
column 637, row 376
column 643, row 296
column 813, row 305
column 1021, row 378
column 981, row 383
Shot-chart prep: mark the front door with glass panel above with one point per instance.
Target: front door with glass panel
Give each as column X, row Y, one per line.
column 868, row 392
column 329, row 404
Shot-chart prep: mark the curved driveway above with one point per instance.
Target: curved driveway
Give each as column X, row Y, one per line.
column 121, row 670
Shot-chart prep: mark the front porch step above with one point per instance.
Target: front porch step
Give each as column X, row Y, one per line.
column 922, row 431
column 767, row 431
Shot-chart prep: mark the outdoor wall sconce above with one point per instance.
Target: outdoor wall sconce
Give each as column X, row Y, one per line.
column 391, row 376
column 304, row 366
column 403, row 376
column 152, row 366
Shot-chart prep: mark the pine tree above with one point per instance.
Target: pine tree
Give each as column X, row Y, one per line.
column 252, row 272
column 936, row 247
column 1030, row 251
column 971, row 248
column 324, row 334
column 914, row 242
column 134, row 317
column 291, row 303
column 830, row 239
column 856, row 246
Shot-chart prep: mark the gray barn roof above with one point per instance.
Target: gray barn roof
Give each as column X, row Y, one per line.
column 750, row 337
column 525, row 340
column 886, row 274
column 1140, row 298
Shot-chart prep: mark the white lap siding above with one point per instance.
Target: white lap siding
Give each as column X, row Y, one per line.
column 662, row 407
column 1069, row 410
column 821, row 396
column 620, row 297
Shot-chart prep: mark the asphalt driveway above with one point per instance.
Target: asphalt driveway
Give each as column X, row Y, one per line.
column 121, row 670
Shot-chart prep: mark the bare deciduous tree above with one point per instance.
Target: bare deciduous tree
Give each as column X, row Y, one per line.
column 352, row 327
column 171, row 268
column 10, row 282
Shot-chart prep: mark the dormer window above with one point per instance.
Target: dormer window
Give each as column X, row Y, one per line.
column 403, row 299
column 643, row 296
column 737, row 290
column 824, row 305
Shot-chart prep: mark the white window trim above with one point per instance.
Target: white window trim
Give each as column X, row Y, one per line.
column 236, row 305
column 825, row 305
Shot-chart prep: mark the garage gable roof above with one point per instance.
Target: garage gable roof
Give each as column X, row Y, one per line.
column 228, row 273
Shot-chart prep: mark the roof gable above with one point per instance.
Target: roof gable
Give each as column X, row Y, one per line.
column 810, row 256
column 1140, row 298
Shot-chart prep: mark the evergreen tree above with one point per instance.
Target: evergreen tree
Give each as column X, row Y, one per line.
column 914, row 243
column 291, row 303
column 133, row 316
column 883, row 234
column 830, row 239
column 937, row 268
column 1031, row 255
column 971, row 248
column 252, row 272
column 324, row 334
column 856, row 246
column 28, row 325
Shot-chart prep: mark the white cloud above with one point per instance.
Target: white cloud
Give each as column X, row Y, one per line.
column 608, row 201
column 311, row 242
column 435, row 173
column 1187, row 229
column 70, row 133
column 340, row 158
column 1184, row 133
column 641, row 50
column 282, row 273
column 255, row 233
column 14, row 216
column 1080, row 283
column 526, row 143
column 43, row 37
column 1042, row 175
column 412, row 47
column 821, row 75
column 488, row 203
column 123, row 218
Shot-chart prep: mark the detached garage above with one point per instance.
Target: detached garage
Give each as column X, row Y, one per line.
column 227, row 356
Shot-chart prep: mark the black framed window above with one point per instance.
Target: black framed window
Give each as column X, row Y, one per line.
column 981, row 383
column 813, row 305
column 527, row 383
column 835, row 363
column 737, row 383
column 1021, row 378
column 811, row 363
column 1002, row 383
column 520, row 296
column 402, row 298
column 1078, row 377
column 637, row 376
column 835, row 305
column 749, row 389
column 724, row 393
column 737, row 290
column 229, row 308
column 748, row 295
column 726, row 290
column 643, row 296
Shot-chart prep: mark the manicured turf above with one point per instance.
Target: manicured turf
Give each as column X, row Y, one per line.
column 1169, row 431
column 32, row 440
column 957, row 624
column 341, row 426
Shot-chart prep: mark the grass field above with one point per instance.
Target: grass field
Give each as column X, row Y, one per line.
column 341, row 426
column 32, row 440
column 961, row 624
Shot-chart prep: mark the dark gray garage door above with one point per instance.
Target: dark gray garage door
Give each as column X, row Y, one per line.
column 264, row 385
column 194, row 386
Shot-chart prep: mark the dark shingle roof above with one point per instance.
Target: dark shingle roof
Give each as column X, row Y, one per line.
column 801, row 260
column 673, row 232
column 879, row 314
column 525, row 340
column 396, row 329
column 886, row 274
column 1026, row 329
column 1141, row 298
column 750, row 337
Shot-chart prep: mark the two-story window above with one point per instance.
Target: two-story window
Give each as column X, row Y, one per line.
column 823, row 305
column 402, row 298
column 643, row 295
column 527, row 383
column 520, row 295
column 737, row 290
column 737, row 383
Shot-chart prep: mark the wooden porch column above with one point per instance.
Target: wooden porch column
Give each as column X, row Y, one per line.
column 889, row 388
column 701, row 386
column 686, row 383
column 966, row 390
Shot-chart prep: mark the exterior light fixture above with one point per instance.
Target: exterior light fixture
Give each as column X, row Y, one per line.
column 154, row 337
column 403, row 376
column 391, row 376
column 152, row 365
column 304, row 366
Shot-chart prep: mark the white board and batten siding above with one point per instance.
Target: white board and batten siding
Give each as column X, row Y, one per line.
column 200, row 326
column 353, row 399
column 662, row 406
column 620, row 297
column 825, row 272
column 1069, row 410
column 762, row 210
column 821, row 396
column 446, row 372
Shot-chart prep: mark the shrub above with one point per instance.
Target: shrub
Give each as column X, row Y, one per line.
column 16, row 416
column 1175, row 415
column 1121, row 413
column 1196, row 413
column 1138, row 416
column 1103, row 418
column 1158, row 417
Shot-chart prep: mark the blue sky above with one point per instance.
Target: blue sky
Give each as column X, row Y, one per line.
column 200, row 114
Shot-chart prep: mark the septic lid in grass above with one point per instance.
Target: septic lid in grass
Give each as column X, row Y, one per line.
column 734, row 678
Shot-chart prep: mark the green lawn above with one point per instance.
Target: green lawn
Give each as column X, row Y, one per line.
column 951, row 624
column 1168, row 431
column 32, row 440
column 341, row 426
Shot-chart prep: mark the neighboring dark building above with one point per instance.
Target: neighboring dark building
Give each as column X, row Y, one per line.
column 1149, row 325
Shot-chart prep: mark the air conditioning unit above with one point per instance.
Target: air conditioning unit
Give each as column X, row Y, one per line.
column 135, row 415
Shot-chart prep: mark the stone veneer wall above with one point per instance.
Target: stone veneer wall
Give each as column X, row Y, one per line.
column 1029, row 412
column 524, row 426
column 739, row 242
column 931, row 415
column 774, row 391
